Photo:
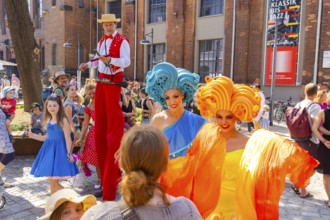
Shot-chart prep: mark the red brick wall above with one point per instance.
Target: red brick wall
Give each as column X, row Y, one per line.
column 128, row 31
column 309, row 41
column 255, row 40
column 228, row 37
column 175, row 32
column 76, row 22
column 180, row 35
column 249, row 38
column 59, row 25
column 189, row 34
column 324, row 74
column 128, row 27
column 242, row 42
column 141, row 48
column 53, row 31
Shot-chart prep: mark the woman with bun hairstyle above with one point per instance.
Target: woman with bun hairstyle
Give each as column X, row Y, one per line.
column 142, row 193
column 172, row 88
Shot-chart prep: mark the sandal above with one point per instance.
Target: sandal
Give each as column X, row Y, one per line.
column 295, row 189
column 306, row 196
column 327, row 203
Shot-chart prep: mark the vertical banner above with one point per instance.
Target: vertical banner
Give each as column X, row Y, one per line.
column 287, row 15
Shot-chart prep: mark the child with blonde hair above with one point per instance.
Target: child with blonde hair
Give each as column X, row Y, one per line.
column 89, row 154
column 66, row 204
column 264, row 121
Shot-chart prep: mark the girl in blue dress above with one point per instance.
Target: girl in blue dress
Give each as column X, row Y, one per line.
column 54, row 159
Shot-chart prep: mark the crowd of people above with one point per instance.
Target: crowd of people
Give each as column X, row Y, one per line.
column 171, row 163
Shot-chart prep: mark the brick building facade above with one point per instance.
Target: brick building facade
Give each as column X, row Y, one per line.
column 183, row 39
column 65, row 21
column 57, row 22
column 195, row 34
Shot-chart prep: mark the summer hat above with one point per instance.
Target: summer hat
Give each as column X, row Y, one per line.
column 66, row 195
column 60, row 73
column 7, row 89
column 108, row 18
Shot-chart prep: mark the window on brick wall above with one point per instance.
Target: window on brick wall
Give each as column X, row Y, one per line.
column 42, row 58
column 114, row 7
column 3, row 20
column 211, row 7
column 158, row 53
column 81, row 55
column 1, row 55
column 3, row 27
column 81, row 3
column 210, row 57
column 38, row 13
column 53, row 2
column 157, row 11
column 54, row 54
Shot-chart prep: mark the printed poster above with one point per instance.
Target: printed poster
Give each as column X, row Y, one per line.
column 287, row 15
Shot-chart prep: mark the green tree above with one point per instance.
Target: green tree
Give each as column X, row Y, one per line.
column 26, row 50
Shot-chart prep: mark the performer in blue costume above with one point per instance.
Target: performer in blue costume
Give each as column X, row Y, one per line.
column 173, row 87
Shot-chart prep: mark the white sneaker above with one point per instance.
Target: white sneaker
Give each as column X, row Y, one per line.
column 97, row 186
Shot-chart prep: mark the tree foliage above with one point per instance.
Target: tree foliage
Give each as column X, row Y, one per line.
column 26, row 50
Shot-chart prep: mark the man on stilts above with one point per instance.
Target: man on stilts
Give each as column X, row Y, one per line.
column 113, row 56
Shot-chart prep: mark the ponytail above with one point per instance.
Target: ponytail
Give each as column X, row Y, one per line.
column 137, row 189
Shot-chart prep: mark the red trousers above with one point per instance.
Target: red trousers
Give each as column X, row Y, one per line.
column 109, row 130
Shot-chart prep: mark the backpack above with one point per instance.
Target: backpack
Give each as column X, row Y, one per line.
column 297, row 121
column 46, row 92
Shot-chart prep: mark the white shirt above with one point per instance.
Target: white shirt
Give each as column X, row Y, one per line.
column 123, row 61
column 262, row 103
column 265, row 115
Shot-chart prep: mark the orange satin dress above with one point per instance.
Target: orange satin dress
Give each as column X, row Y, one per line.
column 198, row 175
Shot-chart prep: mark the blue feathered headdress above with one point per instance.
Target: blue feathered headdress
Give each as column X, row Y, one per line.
column 165, row 76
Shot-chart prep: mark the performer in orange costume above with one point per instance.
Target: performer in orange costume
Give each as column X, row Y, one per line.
column 216, row 161
column 109, row 120
column 213, row 159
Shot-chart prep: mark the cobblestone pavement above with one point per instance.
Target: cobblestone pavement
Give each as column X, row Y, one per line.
column 27, row 196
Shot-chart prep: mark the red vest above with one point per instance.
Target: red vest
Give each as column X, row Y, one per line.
column 114, row 50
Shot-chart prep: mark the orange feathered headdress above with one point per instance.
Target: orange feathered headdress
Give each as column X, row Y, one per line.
column 220, row 93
